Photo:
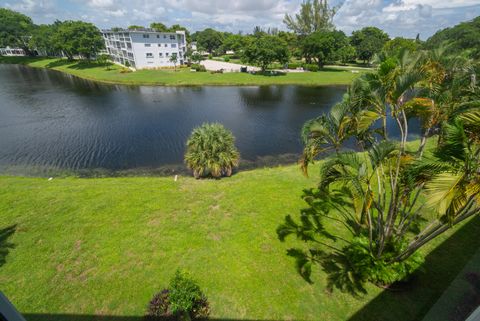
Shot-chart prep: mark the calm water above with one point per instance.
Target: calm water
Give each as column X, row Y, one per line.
column 52, row 121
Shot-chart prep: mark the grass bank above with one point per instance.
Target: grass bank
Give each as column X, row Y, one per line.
column 98, row 249
column 182, row 77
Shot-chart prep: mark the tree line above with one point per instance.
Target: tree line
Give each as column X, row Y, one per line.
column 311, row 39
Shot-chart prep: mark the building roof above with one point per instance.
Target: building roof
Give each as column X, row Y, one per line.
column 142, row 30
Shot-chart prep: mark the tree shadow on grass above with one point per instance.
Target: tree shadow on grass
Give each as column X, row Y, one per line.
column 59, row 63
column 5, row 245
column 78, row 65
column 73, row 317
column 81, row 65
column 441, row 267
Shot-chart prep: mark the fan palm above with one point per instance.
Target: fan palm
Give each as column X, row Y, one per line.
column 211, row 151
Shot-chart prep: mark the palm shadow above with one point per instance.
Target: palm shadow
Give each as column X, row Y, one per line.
column 5, row 245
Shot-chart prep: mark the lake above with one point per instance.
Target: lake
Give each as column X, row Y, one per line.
column 52, row 122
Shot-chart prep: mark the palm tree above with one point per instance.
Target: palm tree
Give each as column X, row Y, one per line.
column 377, row 195
column 211, row 151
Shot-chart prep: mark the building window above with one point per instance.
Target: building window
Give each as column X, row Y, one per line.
column 172, row 37
column 164, row 36
column 159, row 44
column 161, row 55
column 146, row 36
column 149, row 55
column 167, row 54
column 158, row 36
column 174, row 45
column 166, row 45
column 148, row 45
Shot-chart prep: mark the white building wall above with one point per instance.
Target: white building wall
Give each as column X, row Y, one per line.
column 148, row 49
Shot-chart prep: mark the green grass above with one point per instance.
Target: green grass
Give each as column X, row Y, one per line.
column 183, row 77
column 105, row 246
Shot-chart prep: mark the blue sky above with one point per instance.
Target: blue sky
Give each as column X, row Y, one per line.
column 397, row 17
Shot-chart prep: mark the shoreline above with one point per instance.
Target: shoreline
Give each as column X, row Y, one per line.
column 167, row 170
column 182, row 77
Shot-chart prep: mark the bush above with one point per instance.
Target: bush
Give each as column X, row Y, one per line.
column 365, row 267
column 198, row 67
column 210, row 56
column 211, row 151
column 226, row 58
column 125, row 70
column 294, row 65
column 159, row 306
column 182, row 300
column 186, row 296
column 311, row 67
column 103, row 59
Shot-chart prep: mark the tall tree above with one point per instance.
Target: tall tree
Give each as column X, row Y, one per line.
column 324, row 46
column 78, row 38
column 460, row 38
column 368, row 42
column 395, row 46
column 15, row 29
column 209, row 39
column 42, row 39
column 265, row 50
column 158, row 26
column 313, row 16
column 234, row 42
column 133, row 27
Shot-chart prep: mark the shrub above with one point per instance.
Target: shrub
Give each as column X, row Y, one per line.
column 103, row 59
column 198, row 67
column 357, row 265
column 226, row 58
column 294, row 65
column 186, row 296
column 125, row 70
column 312, row 67
column 211, row 151
column 159, row 306
column 182, row 300
column 127, row 64
column 210, row 56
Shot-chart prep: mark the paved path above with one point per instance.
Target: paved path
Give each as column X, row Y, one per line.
column 226, row 66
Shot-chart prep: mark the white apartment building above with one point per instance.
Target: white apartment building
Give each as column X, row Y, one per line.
column 145, row 48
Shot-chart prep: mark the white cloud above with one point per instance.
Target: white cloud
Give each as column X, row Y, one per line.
column 32, row 6
column 116, row 13
column 101, row 3
column 397, row 17
column 439, row 4
column 405, row 17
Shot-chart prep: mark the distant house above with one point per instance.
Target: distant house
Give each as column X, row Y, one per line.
column 12, row 52
column 193, row 46
column 145, row 48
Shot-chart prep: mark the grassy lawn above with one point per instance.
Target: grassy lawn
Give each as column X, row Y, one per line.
column 182, row 77
column 103, row 247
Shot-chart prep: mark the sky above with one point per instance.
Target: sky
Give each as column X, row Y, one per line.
column 404, row 18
